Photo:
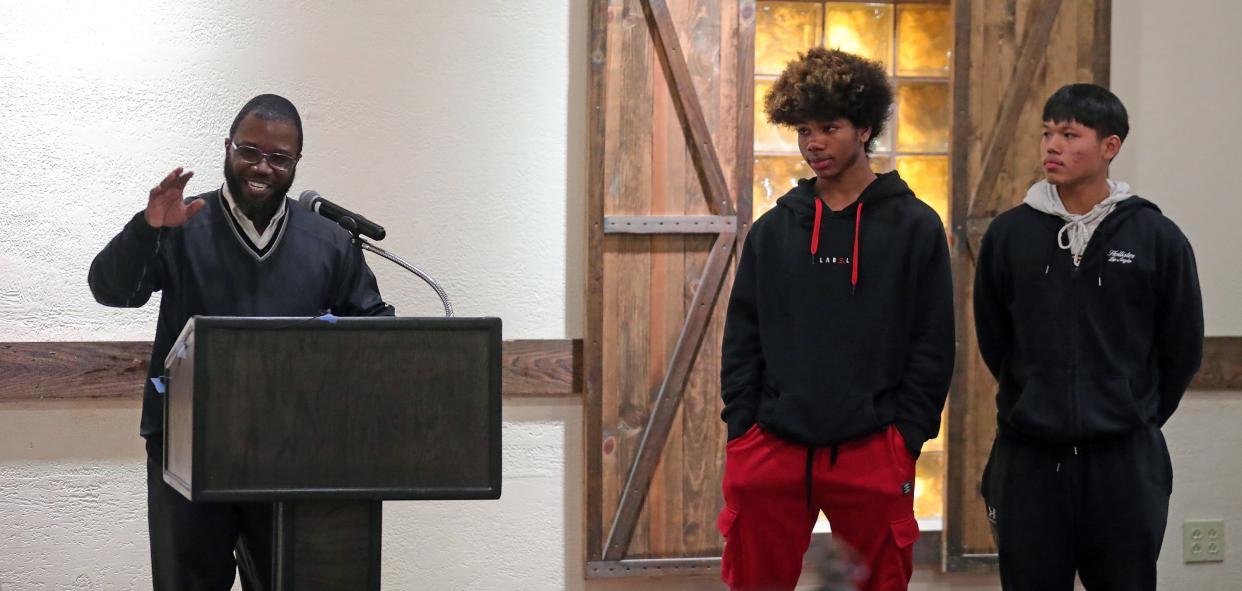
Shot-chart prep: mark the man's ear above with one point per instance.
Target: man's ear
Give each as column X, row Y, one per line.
column 1111, row 146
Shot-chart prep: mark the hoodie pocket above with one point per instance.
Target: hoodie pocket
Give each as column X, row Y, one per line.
column 1056, row 407
column 1108, row 406
column 1042, row 408
column 817, row 417
column 732, row 444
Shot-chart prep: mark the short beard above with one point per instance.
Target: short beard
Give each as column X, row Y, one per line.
column 255, row 210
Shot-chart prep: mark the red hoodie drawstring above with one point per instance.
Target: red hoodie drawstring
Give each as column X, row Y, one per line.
column 854, row 261
column 819, row 213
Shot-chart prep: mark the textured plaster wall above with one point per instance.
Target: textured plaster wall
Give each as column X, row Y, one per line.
column 449, row 122
column 1204, row 440
column 1173, row 67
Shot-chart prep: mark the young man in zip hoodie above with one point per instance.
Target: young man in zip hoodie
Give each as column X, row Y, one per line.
column 838, row 345
column 1088, row 314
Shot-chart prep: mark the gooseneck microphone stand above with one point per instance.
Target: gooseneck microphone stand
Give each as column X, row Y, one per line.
column 352, row 226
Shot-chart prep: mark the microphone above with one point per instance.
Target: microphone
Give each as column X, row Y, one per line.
column 356, row 224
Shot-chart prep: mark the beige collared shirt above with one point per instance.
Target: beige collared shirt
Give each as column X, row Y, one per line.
column 259, row 239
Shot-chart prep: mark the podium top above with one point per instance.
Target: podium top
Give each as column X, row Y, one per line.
column 326, row 322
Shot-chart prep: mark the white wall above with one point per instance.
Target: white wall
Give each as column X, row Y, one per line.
column 1172, row 68
column 1204, row 440
column 461, row 126
column 446, row 121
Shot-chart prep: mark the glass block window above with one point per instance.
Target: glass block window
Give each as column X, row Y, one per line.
column 914, row 42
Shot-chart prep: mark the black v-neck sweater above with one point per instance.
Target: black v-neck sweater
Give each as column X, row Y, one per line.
column 205, row 268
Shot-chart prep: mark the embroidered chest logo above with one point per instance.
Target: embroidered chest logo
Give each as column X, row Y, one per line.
column 827, row 260
column 1120, row 256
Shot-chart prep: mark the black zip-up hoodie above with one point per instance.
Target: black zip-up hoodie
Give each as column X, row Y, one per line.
column 1089, row 351
column 841, row 323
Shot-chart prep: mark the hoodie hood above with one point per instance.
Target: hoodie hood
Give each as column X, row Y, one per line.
column 1077, row 229
column 802, row 198
column 809, row 210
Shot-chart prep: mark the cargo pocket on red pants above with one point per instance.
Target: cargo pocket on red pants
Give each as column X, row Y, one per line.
column 905, row 533
column 728, row 559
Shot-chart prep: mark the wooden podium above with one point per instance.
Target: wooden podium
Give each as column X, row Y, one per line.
column 327, row 418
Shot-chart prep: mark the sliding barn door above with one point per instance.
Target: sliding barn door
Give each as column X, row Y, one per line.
column 670, row 166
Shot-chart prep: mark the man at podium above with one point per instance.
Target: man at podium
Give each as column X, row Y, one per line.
column 240, row 250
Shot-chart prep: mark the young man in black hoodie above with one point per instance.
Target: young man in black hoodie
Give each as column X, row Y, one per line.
column 838, row 345
column 1088, row 314
column 243, row 249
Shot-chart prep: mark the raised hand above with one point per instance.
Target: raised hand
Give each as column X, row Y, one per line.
column 166, row 204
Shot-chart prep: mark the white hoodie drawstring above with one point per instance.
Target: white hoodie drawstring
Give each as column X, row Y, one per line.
column 1077, row 231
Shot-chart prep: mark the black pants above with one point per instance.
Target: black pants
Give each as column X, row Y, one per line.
column 1098, row 509
column 193, row 544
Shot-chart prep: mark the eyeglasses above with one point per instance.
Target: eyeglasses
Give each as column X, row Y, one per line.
column 253, row 155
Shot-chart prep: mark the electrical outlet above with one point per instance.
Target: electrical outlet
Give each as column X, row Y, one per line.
column 1203, row 541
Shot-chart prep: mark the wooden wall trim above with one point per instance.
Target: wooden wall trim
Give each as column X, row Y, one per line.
column 116, row 370
column 539, row 368
column 1222, row 365
column 67, row 370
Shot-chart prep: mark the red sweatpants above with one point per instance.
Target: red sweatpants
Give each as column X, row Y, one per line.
column 867, row 494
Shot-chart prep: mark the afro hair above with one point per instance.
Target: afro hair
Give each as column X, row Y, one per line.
column 828, row 84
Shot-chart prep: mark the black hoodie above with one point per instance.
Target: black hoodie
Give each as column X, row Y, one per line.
column 840, row 328
column 1089, row 351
